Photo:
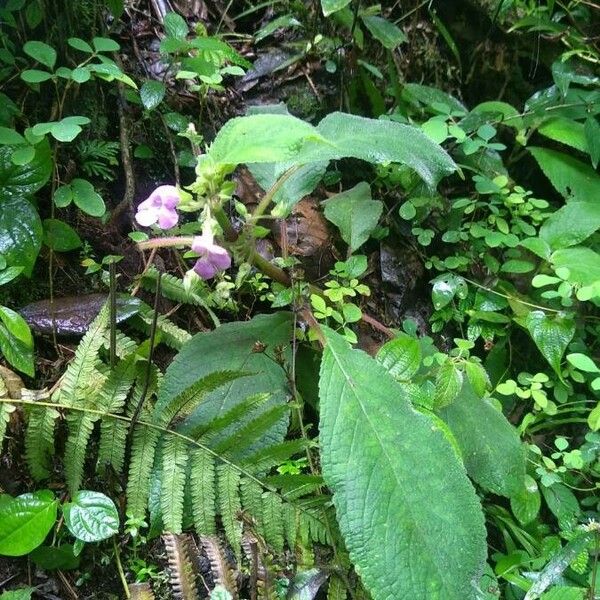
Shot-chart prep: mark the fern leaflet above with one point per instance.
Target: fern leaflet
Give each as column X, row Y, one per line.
column 230, row 508
column 174, row 462
column 202, row 490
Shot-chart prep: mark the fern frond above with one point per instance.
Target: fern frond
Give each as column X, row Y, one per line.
column 81, row 426
column 336, row 589
column 210, row 430
column 171, row 334
column 39, row 441
column 290, row 525
column 292, row 487
column 266, row 458
column 251, row 495
column 182, row 578
column 220, row 568
column 186, row 401
column 80, row 372
column 230, row 508
column 202, row 490
column 5, row 411
column 243, row 438
column 111, row 399
column 173, row 288
column 272, row 521
column 124, row 347
column 143, row 448
column 174, row 461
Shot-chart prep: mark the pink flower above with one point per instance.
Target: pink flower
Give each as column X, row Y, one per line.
column 159, row 207
column 213, row 258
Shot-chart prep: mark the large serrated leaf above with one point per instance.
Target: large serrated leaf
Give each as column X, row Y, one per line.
column 489, row 444
column 239, row 347
column 410, row 517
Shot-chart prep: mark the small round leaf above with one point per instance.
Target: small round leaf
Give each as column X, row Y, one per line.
column 91, row 516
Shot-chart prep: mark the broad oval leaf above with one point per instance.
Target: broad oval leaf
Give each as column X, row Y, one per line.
column 91, row 516
column 489, row 444
column 409, row 515
column 25, row 521
column 152, row 93
column 401, row 356
column 41, row 52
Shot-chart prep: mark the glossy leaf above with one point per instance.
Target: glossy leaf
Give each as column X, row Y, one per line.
column 91, row 516
column 152, row 94
column 489, row 444
column 16, row 341
column 354, row 213
column 86, row 198
column 401, row 357
column 60, row 236
column 388, row 510
column 331, row 6
column 25, row 521
column 24, row 180
column 551, row 335
column 20, row 233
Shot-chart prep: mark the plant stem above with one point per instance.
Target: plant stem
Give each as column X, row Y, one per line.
column 260, row 210
column 120, row 569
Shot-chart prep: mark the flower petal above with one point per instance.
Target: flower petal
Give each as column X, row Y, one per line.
column 168, row 194
column 219, row 257
column 202, row 244
column 205, row 269
column 167, row 218
column 146, row 217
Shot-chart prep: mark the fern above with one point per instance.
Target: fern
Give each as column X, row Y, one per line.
column 39, row 441
column 98, row 158
column 174, row 462
column 220, row 568
column 336, row 589
column 5, row 410
column 272, row 511
column 202, row 491
column 228, row 482
column 171, row 335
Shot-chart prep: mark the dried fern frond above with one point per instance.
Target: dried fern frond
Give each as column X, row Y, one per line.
column 181, row 570
column 221, row 569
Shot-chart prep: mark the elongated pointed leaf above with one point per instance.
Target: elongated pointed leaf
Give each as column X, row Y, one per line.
column 410, row 518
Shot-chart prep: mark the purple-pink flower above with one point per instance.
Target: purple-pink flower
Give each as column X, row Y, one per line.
column 213, row 258
column 159, row 208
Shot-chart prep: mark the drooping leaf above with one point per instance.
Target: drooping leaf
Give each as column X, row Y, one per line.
column 23, row 180
column 25, row 521
column 331, row 6
column 565, row 131
column 401, row 525
column 489, row 444
column 60, row 236
column 401, row 356
column 240, row 347
column 384, row 31
column 16, row 341
column 354, row 213
column 91, row 516
column 152, row 93
column 551, row 335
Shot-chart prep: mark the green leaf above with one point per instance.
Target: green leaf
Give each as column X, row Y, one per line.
column 175, row 26
column 565, row 131
column 63, row 196
column 23, row 155
column 102, row 44
column 284, row 21
column 331, row 6
column 60, row 236
column 24, row 180
column 233, row 346
column 401, row 357
column 402, row 529
column 563, row 504
column 41, row 52
column 448, row 383
column 68, row 128
column 571, row 224
column 9, row 273
column 18, row 594
column 592, row 139
column 51, row 558
column 80, row 45
column 280, row 138
column 582, row 362
column 10, row 137
column 86, row 198
column 20, row 233
column 525, row 504
column 152, row 94
column 558, row 564
column 35, row 76
column 25, row 521
column 489, row 444
column 385, row 32
column 354, row 213
column 582, row 263
column 445, row 287
column 81, row 75
column 91, row 516
column 16, row 341
column 551, row 335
